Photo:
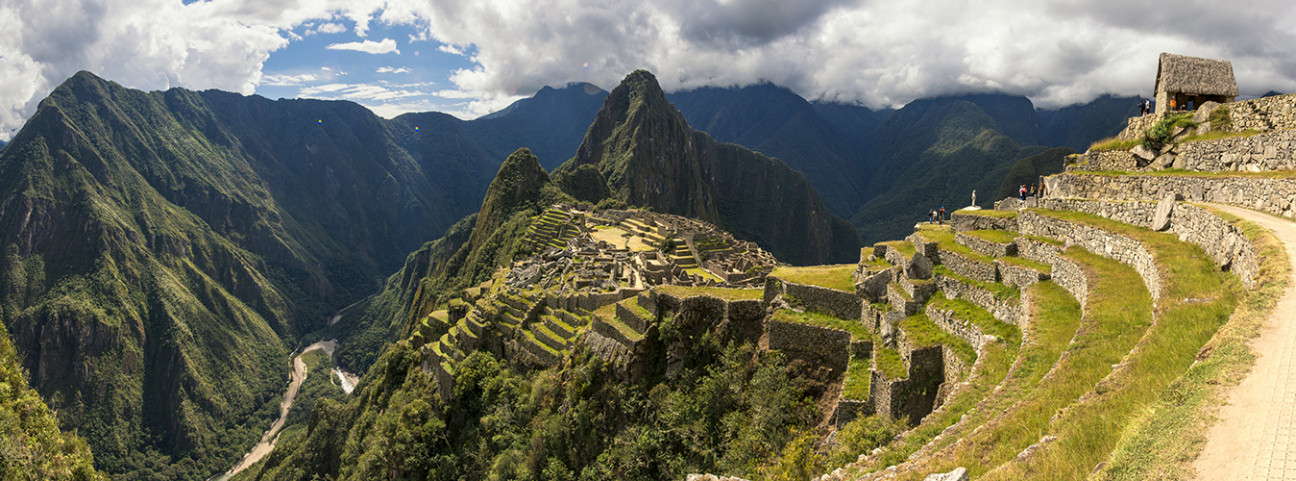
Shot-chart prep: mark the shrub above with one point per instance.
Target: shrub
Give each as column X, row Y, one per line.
column 1161, row 132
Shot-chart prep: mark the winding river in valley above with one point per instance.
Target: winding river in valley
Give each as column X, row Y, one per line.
column 299, row 373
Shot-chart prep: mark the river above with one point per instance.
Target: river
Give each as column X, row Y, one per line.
column 299, row 373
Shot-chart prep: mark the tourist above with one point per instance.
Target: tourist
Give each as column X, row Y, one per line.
column 1173, row 104
column 1143, row 108
column 942, row 214
column 1022, row 191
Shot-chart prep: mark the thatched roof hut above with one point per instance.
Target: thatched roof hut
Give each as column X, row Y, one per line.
column 1191, row 81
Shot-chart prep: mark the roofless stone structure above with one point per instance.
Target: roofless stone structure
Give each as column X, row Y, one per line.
column 1193, row 79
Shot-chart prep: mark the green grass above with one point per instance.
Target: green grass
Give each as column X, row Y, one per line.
column 856, row 384
column 998, row 214
column 1112, row 143
column 1088, row 431
column 1000, row 291
column 1046, row 240
column 889, row 363
column 994, row 235
column 1118, row 314
column 703, row 273
column 1163, row 441
column 839, row 277
column 855, row 326
column 948, row 241
column 720, row 292
column 982, row 319
column 1027, row 263
column 922, row 332
column 904, row 247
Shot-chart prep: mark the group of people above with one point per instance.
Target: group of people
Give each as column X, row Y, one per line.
column 1030, row 190
column 1145, row 106
column 937, row 216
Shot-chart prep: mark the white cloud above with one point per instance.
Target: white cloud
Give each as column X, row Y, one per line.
column 874, row 53
column 451, row 49
column 385, row 45
column 390, row 69
column 331, row 28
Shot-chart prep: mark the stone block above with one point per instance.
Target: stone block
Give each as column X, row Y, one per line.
column 920, row 267
column 958, row 474
column 1161, row 218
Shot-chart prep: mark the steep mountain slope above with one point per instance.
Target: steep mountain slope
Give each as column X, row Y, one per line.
column 163, row 252
column 935, row 153
column 551, row 123
column 779, row 123
column 650, row 156
column 30, row 439
column 1077, row 126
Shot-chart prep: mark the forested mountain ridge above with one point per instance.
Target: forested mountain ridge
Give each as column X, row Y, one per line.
column 650, row 156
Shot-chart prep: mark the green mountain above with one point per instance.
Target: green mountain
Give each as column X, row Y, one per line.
column 936, row 152
column 1077, row 126
column 551, row 123
column 650, row 156
column 779, row 123
column 164, row 251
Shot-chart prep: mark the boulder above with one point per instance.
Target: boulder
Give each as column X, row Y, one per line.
column 920, row 267
column 1161, row 218
column 1164, row 161
column 1203, row 128
column 873, row 288
column 1143, row 153
column 1203, row 113
column 958, row 474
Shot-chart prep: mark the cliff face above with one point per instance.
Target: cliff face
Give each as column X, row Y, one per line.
column 650, row 157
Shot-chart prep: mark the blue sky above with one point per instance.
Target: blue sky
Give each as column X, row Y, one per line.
column 469, row 58
column 394, row 72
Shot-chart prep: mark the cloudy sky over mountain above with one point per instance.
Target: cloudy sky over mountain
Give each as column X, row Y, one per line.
column 469, row 58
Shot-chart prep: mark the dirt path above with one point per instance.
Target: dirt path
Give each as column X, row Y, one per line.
column 1254, row 438
column 271, row 435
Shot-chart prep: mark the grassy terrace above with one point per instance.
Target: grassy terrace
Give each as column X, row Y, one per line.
column 720, row 292
column 1000, row 214
column 1164, row 443
column 1118, row 315
column 994, row 235
column 703, row 273
column 905, row 247
column 947, row 241
column 833, row 277
column 1001, row 292
column 889, row 363
column 1055, row 319
column 922, row 332
column 1046, row 240
column 967, row 311
column 1027, row 263
column 856, row 385
column 1089, row 430
column 855, row 327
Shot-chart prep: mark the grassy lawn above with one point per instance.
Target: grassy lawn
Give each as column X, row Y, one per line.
column 855, row 327
column 832, row 276
column 905, row 247
column 994, row 235
column 703, row 273
column 948, row 241
column 1112, row 143
column 720, row 292
column 856, row 385
column 983, row 320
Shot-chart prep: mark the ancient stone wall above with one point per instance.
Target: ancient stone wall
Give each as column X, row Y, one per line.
column 1263, row 114
column 965, row 222
column 1006, row 310
column 1018, row 275
column 965, row 266
column 1098, row 241
column 1264, row 152
column 1102, row 161
column 843, row 305
column 1137, row 125
column 850, row 409
column 1225, row 243
column 960, row 328
column 914, row 396
column 985, row 247
column 816, row 345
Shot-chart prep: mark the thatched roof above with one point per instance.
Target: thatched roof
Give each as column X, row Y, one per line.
column 1196, row 76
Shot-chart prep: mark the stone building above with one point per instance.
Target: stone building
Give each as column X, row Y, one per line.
column 1192, row 79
